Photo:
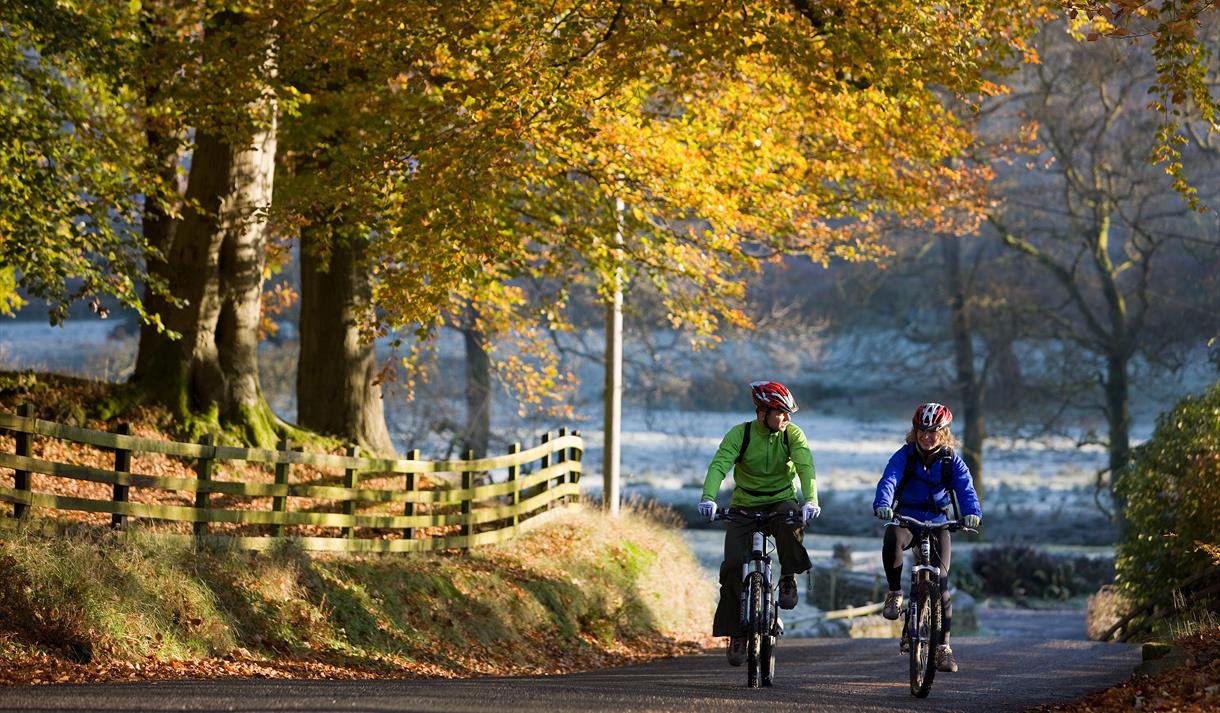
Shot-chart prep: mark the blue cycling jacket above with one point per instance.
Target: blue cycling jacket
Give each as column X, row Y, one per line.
column 926, row 497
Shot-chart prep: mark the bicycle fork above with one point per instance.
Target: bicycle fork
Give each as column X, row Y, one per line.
column 758, row 562
column 922, row 573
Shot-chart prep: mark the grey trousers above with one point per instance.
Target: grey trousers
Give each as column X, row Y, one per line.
column 793, row 559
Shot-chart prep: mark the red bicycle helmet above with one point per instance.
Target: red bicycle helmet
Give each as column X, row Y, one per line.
column 932, row 417
column 772, row 394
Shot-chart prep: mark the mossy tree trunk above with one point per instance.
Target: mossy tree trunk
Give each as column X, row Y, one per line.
column 215, row 266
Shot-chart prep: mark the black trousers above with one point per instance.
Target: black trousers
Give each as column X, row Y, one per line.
column 793, row 559
column 898, row 539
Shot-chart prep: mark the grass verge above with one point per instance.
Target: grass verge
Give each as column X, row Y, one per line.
column 577, row 590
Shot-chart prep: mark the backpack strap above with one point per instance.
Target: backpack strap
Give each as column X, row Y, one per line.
column 946, row 469
column 745, row 443
column 946, row 472
column 907, row 472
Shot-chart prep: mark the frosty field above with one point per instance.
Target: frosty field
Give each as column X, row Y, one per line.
column 665, row 450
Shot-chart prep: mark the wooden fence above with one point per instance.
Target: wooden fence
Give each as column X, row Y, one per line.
column 340, row 502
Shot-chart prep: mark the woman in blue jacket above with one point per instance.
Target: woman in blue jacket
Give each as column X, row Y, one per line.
column 926, row 480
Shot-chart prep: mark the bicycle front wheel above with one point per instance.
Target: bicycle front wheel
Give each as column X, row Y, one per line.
column 924, row 626
column 755, row 629
column 766, row 652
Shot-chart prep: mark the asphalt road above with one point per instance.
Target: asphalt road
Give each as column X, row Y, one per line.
column 997, row 675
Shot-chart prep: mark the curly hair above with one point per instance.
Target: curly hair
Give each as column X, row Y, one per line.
column 946, row 438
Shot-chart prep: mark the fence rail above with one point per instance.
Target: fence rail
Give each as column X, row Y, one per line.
column 460, row 505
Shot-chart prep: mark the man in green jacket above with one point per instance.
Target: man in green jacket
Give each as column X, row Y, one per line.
column 765, row 461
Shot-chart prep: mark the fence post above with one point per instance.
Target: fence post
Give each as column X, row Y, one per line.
column 350, row 479
column 467, row 483
column 409, row 510
column 573, row 476
column 513, row 470
column 545, row 485
column 203, row 471
column 122, row 464
column 21, row 478
column 561, row 456
column 279, row 503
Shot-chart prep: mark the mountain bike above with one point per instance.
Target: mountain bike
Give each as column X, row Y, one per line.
column 921, row 628
column 760, row 622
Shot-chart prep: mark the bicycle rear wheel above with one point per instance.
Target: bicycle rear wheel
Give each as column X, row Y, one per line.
column 755, row 630
column 924, row 627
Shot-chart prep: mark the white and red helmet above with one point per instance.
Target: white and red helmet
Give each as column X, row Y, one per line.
column 932, row 417
column 772, row 394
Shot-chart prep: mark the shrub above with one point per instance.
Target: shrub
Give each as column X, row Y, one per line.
column 1172, row 491
column 1104, row 610
column 1024, row 572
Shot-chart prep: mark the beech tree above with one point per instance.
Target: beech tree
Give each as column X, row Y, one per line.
column 215, row 259
column 104, row 96
column 732, row 139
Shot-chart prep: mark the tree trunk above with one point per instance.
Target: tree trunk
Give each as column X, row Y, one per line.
column 215, row 264
column 970, row 385
column 478, row 389
column 159, row 231
column 184, row 375
column 1118, row 418
column 158, row 225
column 338, row 391
column 1004, row 378
column 242, row 258
column 1118, row 415
column 1116, row 339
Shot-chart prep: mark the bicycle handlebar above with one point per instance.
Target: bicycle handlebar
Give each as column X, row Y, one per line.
column 908, row 522
column 788, row 518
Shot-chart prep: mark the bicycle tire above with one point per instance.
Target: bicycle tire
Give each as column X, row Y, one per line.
column 754, row 630
column 925, row 633
column 766, row 653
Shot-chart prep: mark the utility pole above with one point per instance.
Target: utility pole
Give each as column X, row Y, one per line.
column 612, row 417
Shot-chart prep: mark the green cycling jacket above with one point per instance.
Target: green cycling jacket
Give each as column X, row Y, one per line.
column 766, row 474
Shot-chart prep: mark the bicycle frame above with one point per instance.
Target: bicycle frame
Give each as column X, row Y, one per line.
column 759, row 604
column 921, row 629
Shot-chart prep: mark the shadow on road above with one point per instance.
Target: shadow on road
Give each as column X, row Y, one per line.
column 997, row 675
